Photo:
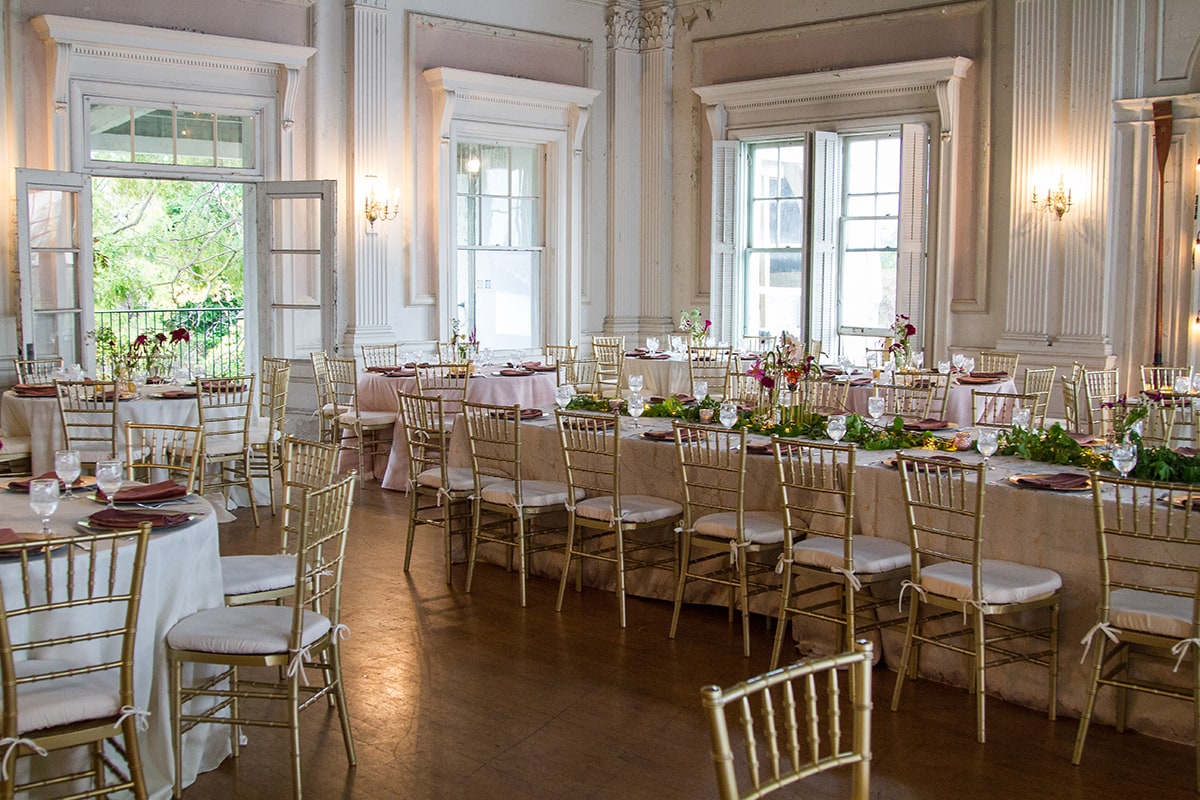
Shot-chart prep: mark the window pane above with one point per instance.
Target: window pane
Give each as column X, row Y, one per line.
column 887, row 205
column 524, row 171
column 763, row 214
column 791, row 171
column 860, row 166
column 791, row 223
column 888, row 165
column 468, row 221
column 153, row 136
column 196, row 146
column 108, row 131
column 493, row 218
column 505, row 288
column 774, row 291
column 493, row 169
column 236, row 140
column 54, row 279
column 525, row 223
column 467, row 181
column 765, row 163
column 868, row 289
column 51, row 219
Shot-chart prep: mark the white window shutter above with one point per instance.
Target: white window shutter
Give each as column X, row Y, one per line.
column 826, row 197
column 723, row 288
column 910, row 256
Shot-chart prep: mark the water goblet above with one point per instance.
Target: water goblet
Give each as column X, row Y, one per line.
column 835, row 428
column 652, row 344
column 109, row 477
column 1183, row 385
column 1124, row 458
column 1196, row 383
column 958, row 359
column 677, row 344
column 918, row 359
column 67, row 468
column 968, row 365
column 636, row 382
column 875, row 408
column 636, row 404
column 182, row 376
column 729, row 413
column 1021, row 418
column 944, row 367
column 43, row 500
column 562, row 394
column 700, row 389
column 986, row 443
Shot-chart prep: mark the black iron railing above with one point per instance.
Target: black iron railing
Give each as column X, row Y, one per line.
column 217, row 334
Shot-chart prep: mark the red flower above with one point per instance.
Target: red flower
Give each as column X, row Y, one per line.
column 910, row 330
column 180, row 335
column 160, row 337
column 140, row 341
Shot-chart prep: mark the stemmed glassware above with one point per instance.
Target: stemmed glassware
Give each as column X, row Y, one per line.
column 986, row 443
column 636, row 405
column 958, row 360
column 43, row 499
column 67, row 468
column 109, row 477
column 1124, row 458
column 835, row 428
column 729, row 413
column 1183, row 385
column 636, row 382
column 918, row 359
column 700, row 389
column 968, row 365
column 875, row 408
column 944, row 367
column 652, row 344
column 563, row 394
column 1021, row 418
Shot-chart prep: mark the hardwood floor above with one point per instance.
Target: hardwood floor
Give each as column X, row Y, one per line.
column 457, row 695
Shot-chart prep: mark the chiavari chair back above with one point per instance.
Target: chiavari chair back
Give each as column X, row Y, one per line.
column 912, row 402
column 447, row 381
column 158, row 452
column 1159, row 425
column 558, row 353
column 1071, row 412
column 1100, row 390
column 759, row 345
column 34, row 371
column 381, row 355
column 580, row 373
column 368, row 431
column 744, row 389
column 88, row 414
column 996, row 409
column 609, row 353
column 711, row 365
column 995, row 361
column 1162, row 379
column 266, row 441
column 1039, row 382
column 822, row 397
column 224, row 405
column 327, row 407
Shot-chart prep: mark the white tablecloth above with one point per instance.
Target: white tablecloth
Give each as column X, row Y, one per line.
column 377, row 392
column 958, row 400
column 183, row 575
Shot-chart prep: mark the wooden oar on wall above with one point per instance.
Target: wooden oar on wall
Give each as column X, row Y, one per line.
column 1163, row 118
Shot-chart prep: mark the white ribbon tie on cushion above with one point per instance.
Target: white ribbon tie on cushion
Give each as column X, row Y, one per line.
column 783, row 559
column 296, row 664
column 1099, row 627
column 849, row 575
column 142, row 715
column 904, row 586
column 733, row 555
column 10, row 744
column 1180, row 648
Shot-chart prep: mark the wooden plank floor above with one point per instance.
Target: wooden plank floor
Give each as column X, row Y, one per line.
column 457, row 695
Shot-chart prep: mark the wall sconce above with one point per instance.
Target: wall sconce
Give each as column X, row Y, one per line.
column 374, row 208
column 1057, row 200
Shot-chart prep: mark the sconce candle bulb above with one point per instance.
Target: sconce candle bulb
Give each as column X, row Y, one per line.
column 1057, row 200
column 374, row 208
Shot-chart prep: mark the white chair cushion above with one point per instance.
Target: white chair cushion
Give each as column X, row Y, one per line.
column 460, row 478
column 762, row 527
column 635, row 508
column 533, row 493
column 244, row 630
column 1149, row 612
column 1003, row 581
column 223, row 445
column 872, row 555
column 62, row 701
column 368, row 419
column 330, row 410
column 248, row 574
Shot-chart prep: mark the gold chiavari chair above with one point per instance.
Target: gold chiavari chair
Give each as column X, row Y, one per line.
column 447, row 381
column 580, row 373
column 609, row 352
column 558, row 353
column 995, row 409
column 822, row 397
column 995, row 361
column 944, row 509
column 88, row 412
column 258, row 578
column 760, row 344
column 327, row 406
column 711, row 365
column 910, row 402
column 1158, row 427
column 1160, row 379
column 266, row 384
column 154, row 451
column 73, row 637
column 822, row 548
column 937, row 382
column 381, row 355
column 609, row 525
column 1039, row 382
column 224, row 405
column 289, row 638
column 815, row 349
column 32, row 371
column 780, row 760
column 1100, row 390
column 1077, row 370
column 266, row 442
column 364, row 431
column 1185, row 428
column 1147, row 538
column 743, row 389
column 1071, row 414
column 517, row 510
column 716, row 526
column 439, row 494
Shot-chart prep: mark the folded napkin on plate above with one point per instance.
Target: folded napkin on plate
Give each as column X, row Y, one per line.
column 860, row 381
column 155, row 379
column 1055, row 480
column 1187, row 452
column 654, row 356
column 36, row 390
column 637, row 351
column 178, row 394
column 927, row 424
column 669, row 435
column 1085, row 438
column 526, row 413
column 22, row 485
column 682, row 398
column 108, row 395
column 764, row 448
column 384, row 370
column 515, row 373
column 978, row 374
column 977, row 380
column 401, row 373
column 9, row 536
column 163, row 490
column 119, row 519
column 538, row 366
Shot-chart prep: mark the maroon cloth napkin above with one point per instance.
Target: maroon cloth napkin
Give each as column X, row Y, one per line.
column 927, row 424
column 22, row 485
column 515, row 373
column 654, row 356
column 977, row 379
column 384, row 370
column 178, row 394
column 669, row 435
column 765, row 449
column 860, row 381
column 637, row 351
column 1187, row 452
column 401, row 373
column 155, row 379
column 36, row 390
column 119, row 519
column 978, row 374
column 1059, row 481
column 163, row 490
column 9, row 536
column 526, row 413
column 1085, row 438
column 597, row 422
column 538, row 366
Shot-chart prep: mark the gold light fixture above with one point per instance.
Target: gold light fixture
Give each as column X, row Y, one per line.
column 1057, row 200
column 374, row 208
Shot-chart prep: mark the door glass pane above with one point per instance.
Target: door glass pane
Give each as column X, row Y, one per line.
column 56, row 335
column 298, row 332
column 296, row 223
column 52, row 219
column 298, row 316
column 297, row 278
column 195, row 139
column 55, row 281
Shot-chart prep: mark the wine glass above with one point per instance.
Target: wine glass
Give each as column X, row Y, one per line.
column 1196, row 383
column 918, row 359
column 636, row 405
column 1021, row 418
column 944, row 367
column 1124, row 458
column 875, row 408
column 109, row 477
column 835, row 428
column 986, row 443
column 729, row 413
column 636, row 382
column 652, row 344
column 958, row 359
column 968, row 365
column 562, row 394
column 700, row 389
column 43, row 499
column 1183, row 385
column 67, row 468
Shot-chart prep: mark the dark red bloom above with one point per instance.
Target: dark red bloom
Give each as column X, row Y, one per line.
column 180, row 335
column 140, row 341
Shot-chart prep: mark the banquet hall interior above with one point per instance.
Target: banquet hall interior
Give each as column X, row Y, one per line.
column 1019, row 176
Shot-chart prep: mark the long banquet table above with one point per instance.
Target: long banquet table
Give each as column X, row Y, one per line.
column 1050, row 529
column 182, row 576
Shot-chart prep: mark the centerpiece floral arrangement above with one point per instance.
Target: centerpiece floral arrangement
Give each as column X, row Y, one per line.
column 691, row 323
column 787, row 365
column 152, row 351
column 464, row 345
column 902, row 332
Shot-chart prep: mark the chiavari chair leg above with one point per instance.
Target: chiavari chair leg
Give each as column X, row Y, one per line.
column 980, row 672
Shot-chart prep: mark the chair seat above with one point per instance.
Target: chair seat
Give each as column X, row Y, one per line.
column 533, row 493
column 1004, row 582
column 762, row 527
column 63, row 701
column 244, row 630
column 1150, row 612
column 872, row 555
column 250, row 574
column 461, row 479
column 223, row 445
column 635, row 508
column 368, row 419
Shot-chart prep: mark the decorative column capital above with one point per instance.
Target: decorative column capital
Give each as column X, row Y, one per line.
column 638, row 31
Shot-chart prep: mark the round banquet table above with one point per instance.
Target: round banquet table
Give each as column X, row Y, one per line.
column 667, row 376
column 182, row 576
column 377, row 392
